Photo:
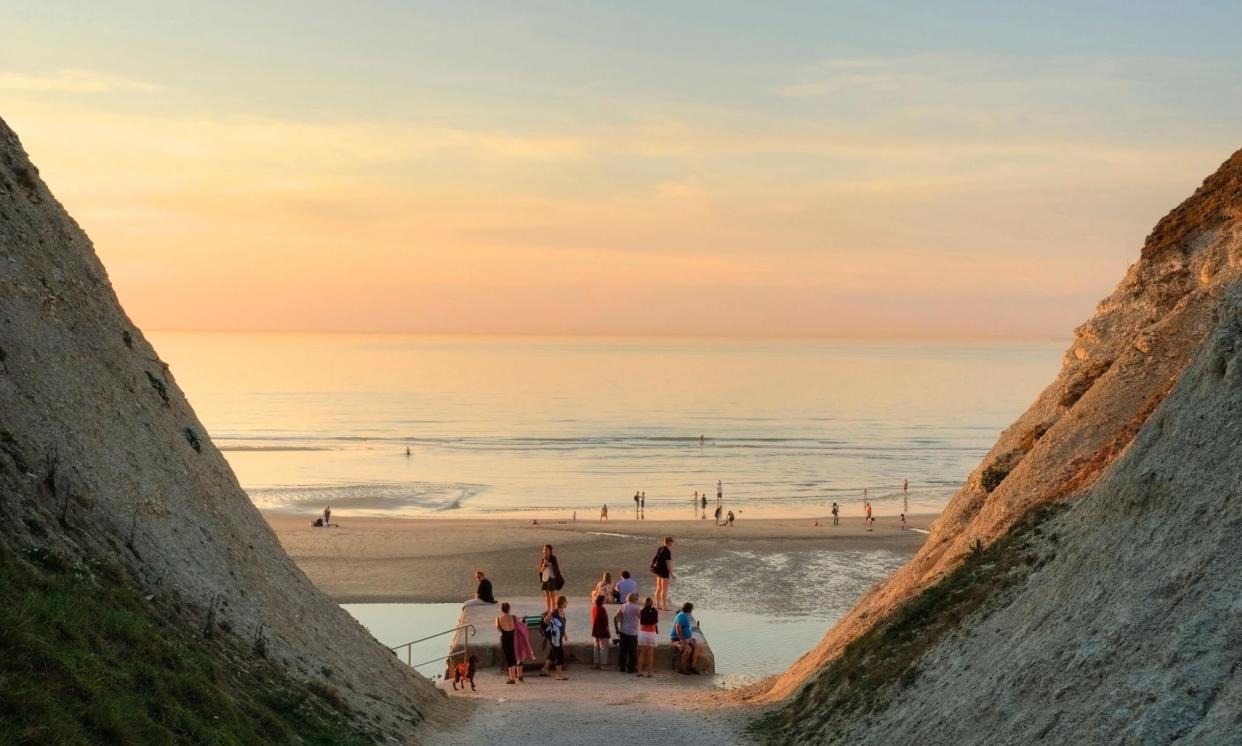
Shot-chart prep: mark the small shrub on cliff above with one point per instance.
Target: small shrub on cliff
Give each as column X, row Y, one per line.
column 992, row 476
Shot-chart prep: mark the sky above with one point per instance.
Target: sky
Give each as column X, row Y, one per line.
column 714, row 168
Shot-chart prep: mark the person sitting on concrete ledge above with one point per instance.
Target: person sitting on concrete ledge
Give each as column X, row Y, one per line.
column 483, row 596
column 684, row 643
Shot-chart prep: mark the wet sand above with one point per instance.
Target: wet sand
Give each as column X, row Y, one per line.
column 425, row 560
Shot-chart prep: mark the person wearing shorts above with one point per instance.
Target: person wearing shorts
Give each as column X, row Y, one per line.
column 556, row 640
column 662, row 568
column 550, row 578
column 648, row 637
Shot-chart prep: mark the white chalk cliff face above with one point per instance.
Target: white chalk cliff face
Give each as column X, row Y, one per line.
column 1127, row 625
column 99, row 447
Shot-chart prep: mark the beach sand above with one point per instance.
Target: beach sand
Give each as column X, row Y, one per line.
column 425, row 560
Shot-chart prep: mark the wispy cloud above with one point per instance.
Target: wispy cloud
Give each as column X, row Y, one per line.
column 71, row 81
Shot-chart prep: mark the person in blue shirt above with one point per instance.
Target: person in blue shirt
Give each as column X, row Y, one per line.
column 682, row 635
column 625, row 586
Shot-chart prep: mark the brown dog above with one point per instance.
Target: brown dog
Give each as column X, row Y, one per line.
column 464, row 672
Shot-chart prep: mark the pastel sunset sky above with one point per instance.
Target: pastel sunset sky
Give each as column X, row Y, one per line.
column 914, row 169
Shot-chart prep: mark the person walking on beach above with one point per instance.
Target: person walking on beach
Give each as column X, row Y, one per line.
column 327, row 516
column 506, row 623
column 550, row 577
column 648, row 637
column 703, row 504
column 601, row 634
column 836, row 514
column 662, row 568
column 554, row 622
column 868, row 519
column 717, row 515
column 636, row 506
column 626, row 622
column 642, row 503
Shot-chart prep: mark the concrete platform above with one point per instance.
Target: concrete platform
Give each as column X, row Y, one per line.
column 486, row 642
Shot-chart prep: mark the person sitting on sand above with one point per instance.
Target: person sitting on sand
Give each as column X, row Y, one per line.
column 682, row 636
column 601, row 634
column 483, row 594
column 625, row 586
column 550, row 577
column 557, row 637
column 662, row 568
column 603, row 588
column 648, row 637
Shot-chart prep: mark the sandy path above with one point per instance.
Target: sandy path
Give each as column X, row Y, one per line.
column 594, row 707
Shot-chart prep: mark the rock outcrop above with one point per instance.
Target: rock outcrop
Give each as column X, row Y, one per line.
column 103, row 460
column 1121, row 621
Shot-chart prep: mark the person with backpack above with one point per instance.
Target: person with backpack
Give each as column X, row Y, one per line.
column 553, row 626
column 550, row 579
column 662, row 568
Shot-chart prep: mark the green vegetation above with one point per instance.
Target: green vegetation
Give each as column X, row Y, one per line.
column 885, row 660
column 85, row 659
column 992, row 476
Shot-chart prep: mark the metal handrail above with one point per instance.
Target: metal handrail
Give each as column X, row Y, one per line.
column 470, row 630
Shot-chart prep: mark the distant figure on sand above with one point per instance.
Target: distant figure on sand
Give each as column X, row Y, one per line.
column 601, row 634
column 694, row 503
column 903, row 521
column 719, row 490
column 642, row 503
column 407, row 451
column 836, row 514
column 701, row 441
column 905, row 485
column 550, row 577
column 648, row 637
column 483, row 594
column 717, row 515
column 636, row 506
column 603, row 513
column 554, row 623
column 327, row 516
column 729, row 520
column 662, row 568
column 868, row 519
column 507, row 624
column 703, row 504
column 684, row 643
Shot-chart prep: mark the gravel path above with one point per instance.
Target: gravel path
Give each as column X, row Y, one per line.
column 594, row 707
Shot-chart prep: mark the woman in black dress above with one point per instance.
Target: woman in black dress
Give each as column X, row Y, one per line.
column 507, row 624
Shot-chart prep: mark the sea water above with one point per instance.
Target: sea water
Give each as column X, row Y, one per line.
column 556, row 425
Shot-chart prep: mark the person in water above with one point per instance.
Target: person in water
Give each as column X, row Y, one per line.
column 483, row 594
column 550, row 578
column 662, row 568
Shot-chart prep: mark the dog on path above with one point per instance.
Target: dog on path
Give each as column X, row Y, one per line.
column 464, row 672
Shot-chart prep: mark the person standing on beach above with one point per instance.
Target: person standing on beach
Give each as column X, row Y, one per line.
column 717, row 515
column 703, row 504
column 554, row 621
column 903, row 521
column 867, row 520
column 506, row 623
column 836, row 514
column 729, row 520
column 550, row 577
column 327, row 516
column 694, row 503
column 636, row 506
column 642, row 503
column 603, row 512
column 662, row 568
column 626, row 622
column 905, row 495
column 601, row 634
column 648, row 637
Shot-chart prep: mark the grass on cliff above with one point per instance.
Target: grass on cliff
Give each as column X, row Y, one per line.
column 885, row 660
column 84, row 659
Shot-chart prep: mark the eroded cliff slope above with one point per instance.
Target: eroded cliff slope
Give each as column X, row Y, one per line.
column 107, row 477
column 1115, row 617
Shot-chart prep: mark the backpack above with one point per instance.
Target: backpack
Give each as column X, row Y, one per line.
column 655, row 561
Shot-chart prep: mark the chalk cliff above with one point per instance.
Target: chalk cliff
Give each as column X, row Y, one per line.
column 1083, row 585
column 103, row 463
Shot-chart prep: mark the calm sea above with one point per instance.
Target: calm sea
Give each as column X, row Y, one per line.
column 548, row 426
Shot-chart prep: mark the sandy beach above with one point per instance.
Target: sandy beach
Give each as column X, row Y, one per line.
column 424, row 560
